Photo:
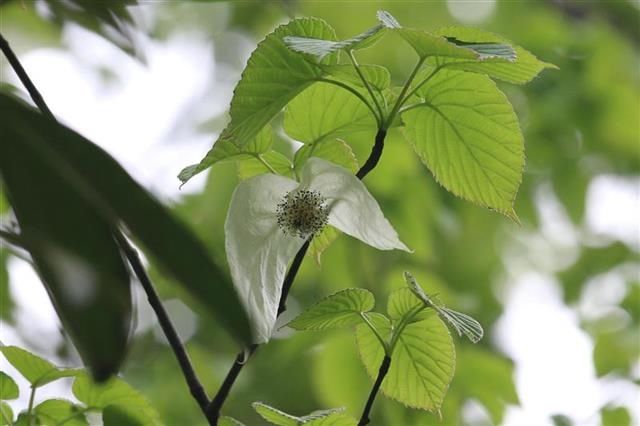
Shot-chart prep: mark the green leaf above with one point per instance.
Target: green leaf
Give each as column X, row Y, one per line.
column 8, row 388
column 275, row 416
column 229, row 421
column 376, row 75
column 321, row 48
column 36, row 370
column 341, row 309
column 117, row 393
column 6, row 414
column 273, row 76
column 422, row 364
column 519, row 71
column 403, row 302
column 330, row 417
column 116, row 415
column 225, row 150
column 618, row 416
column 114, row 194
column 71, row 244
column 334, row 150
column 268, row 162
column 322, row 241
column 56, row 411
column 326, row 111
column 466, row 132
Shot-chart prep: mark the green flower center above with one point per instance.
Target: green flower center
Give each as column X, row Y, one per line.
column 302, row 213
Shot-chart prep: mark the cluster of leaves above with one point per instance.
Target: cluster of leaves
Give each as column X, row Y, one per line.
column 115, row 401
column 413, row 336
column 459, row 123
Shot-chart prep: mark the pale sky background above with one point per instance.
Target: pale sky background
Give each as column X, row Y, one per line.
column 134, row 118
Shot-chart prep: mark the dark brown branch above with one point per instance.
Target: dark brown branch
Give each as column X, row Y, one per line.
column 24, row 78
column 213, row 411
column 382, row 372
column 196, row 388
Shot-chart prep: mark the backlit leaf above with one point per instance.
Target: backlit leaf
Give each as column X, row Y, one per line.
column 341, row 309
column 520, row 68
column 326, row 111
column 57, row 411
column 269, row 162
column 273, row 76
column 36, row 370
column 466, row 132
column 422, row 362
column 117, row 393
column 8, row 388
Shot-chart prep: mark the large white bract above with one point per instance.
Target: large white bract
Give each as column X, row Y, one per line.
column 259, row 245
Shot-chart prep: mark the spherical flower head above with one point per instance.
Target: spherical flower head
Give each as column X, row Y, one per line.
column 302, row 213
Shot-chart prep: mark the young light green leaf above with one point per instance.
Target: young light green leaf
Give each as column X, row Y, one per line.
column 403, row 302
column 229, row 421
column 467, row 133
column 518, row 70
column 225, row 150
column 487, row 50
column 269, row 162
column 462, row 323
column 341, row 309
column 275, row 416
column 273, row 76
column 117, row 415
column 6, row 414
column 334, row 150
column 113, row 193
column 321, row 48
column 60, row 411
column 422, row 363
column 334, row 418
column 8, row 388
column 321, row 242
column 326, row 111
column 115, row 392
column 36, row 370
column 377, row 76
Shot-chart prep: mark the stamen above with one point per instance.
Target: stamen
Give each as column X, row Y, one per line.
column 302, row 213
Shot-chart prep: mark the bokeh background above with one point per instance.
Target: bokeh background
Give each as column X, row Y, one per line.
column 559, row 296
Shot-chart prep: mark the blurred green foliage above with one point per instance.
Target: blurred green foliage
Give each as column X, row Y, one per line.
column 579, row 123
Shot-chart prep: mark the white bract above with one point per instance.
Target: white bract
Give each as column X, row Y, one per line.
column 270, row 218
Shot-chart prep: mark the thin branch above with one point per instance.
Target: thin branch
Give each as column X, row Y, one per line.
column 382, row 372
column 213, row 410
column 291, row 276
column 24, row 78
column 196, row 388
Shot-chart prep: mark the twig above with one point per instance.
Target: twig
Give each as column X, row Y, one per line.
column 213, row 410
column 382, row 372
column 196, row 388
column 24, row 78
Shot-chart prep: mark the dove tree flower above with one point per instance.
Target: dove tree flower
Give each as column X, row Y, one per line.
column 270, row 217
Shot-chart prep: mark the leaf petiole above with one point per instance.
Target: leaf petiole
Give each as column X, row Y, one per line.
column 356, row 93
column 402, row 98
column 406, row 319
column 367, row 85
column 266, row 164
column 32, row 397
column 375, row 331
